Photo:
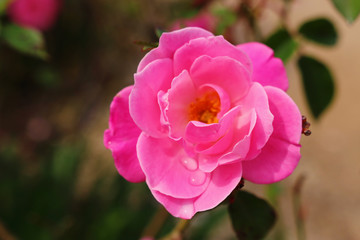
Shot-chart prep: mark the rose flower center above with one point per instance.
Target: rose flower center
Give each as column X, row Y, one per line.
column 205, row 108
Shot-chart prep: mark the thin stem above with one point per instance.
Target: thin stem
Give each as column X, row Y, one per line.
column 156, row 223
column 5, row 234
column 298, row 209
column 178, row 231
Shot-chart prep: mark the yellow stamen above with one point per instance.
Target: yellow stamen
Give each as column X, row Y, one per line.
column 205, row 108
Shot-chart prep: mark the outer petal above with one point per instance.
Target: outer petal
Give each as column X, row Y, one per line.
column 212, row 47
column 122, row 136
column 223, row 181
column 182, row 208
column 168, row 168
column 144, row 107
column 287, row 122
column 267, row 69
column 225, row 72
column 281, row 154
column 169, row 42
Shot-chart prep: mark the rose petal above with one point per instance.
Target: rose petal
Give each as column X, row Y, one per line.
column 276, row 161
column 242, row 138
column 224, row 179
column 144, row 107
column 224, row 72
column 287, row 122
column 198, row 132
column 181, row 208
column 267, row 69
column 169, row 42
column 122, row 136
column 281, row 154
column 181, row 94
column 169, row 169
column 217, row 46
column 257, row 99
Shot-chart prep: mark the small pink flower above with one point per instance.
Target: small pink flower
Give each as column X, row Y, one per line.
column 38, row 14
column 203, row 20
column 201, row 115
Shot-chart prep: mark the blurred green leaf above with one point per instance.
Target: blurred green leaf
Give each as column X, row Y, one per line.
column 3, row 6
column 283, row 44
column 206, row 222
column 320, row 30
column 65, row 162
column 251, row 217
column 159, row 32
column 318, row 84
column 25, row 40
column 147, row 46
column 226, row 18
column 350, row 9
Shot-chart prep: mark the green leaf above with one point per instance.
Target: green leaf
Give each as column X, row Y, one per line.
column 159, row 32
column 25, row 40
column 318, row 84
column 283, row 44
column 226, row 19
column 350, row 9
column 320, row 30
column 251, row 217
column 3, row 6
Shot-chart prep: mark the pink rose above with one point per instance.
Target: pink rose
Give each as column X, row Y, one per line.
column 203, row 20
column 202, row 114
column 39, row 14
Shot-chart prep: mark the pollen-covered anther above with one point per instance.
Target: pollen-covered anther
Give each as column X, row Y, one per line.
column 205, row 108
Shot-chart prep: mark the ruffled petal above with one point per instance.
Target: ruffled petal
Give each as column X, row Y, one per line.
column 276, row 161
column 224, row 179
column 122, row 136
column 242, row 138
column 287, row 122
column 181, row 208
column 199, row 132
column 217, row 46
column 257, row 99
column 181, row 94
column 281, row 153
column 267, row 69
column 169, row 42
column 144, row 107
column 225, row 72
column 168, row 168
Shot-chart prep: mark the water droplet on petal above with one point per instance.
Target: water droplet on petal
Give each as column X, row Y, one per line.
column 189, row 163
column 109, row 142
column 197, row 178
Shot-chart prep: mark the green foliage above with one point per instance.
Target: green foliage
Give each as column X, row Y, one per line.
column 43, row 205
column 25, row 40
column 318, row 84
column 320, row 30
column 283, row 44
column 3, row 6
column 226, row 18
column 252, row 217
column 206, row 222
column 349, row 9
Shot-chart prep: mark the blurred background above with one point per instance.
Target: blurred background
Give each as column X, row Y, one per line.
column 57, row 180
